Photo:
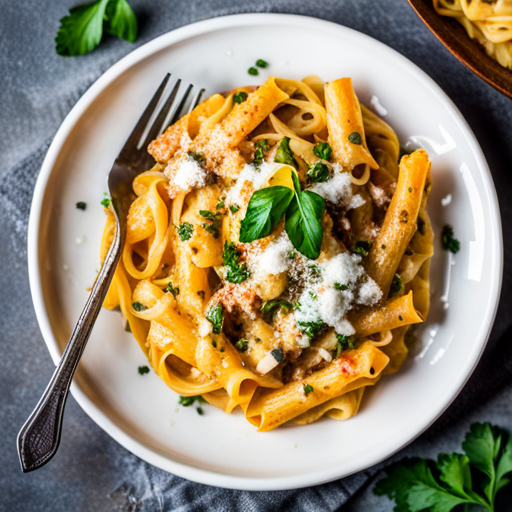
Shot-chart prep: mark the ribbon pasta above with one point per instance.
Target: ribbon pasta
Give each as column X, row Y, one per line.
column 230, row 320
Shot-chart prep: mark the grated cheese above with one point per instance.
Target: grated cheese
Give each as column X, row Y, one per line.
column 275, row 258
column 189, row 175
column 338, row 189
column 369, row 293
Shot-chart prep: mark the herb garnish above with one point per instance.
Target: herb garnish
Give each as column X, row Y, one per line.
column 284, row 153
column 242, row 345
column 340, row 287
column 137, row 306
column 311, row 329
column 216, row 317
column 170, row 288
column 266, row 208
column 262, row 63
column 362, row 247
column 143, row 370
column 343, row 342
column 308, row 388
column 397, row 286
column 253, row 71
column 260, row 146
column 319, row 172
column 214, row 227
column 82, row 29
column 277, row 354
column 187, row 401
column 220, row 205
column 454, row 479
column 185, row 230
column 81, row 205
column 303, row 214
column 323, row 150
column 198, row 157
column 236, row 272
column 448, row 242
column 239, row 97
column 355, row 138
column 271, row 307
column 233, row 208
column 105, row 202
column 304, row 221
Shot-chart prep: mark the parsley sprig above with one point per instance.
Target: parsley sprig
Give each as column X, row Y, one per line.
column 455, row 479
column 82, row 29
column 448, row 242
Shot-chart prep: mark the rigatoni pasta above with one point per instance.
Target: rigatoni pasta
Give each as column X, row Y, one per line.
column 268, row 266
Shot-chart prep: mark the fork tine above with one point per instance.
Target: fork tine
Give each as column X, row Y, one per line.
column 179, row 109
column 137, row 132
column 158, row 123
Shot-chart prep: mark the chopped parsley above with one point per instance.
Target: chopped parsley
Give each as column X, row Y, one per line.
column 362, row 247
column 397, row 286
column 239, row 97
column 105, row 202
column 323, row 150
column 343, row 343
column 311, row 329
column 262, row 63
column 271, row 307
column 253, row 71
column 137, row 306
column 143, row 369
column 214, row 227
column 216, row 317
column 81, row 205
column 171, row 289
column 448, row 242
column 185, row 230
column 355, row 138
column 260, row 147
column 233, row 208
column 187, row 401
column 242, row 345
column 220, row 205
column 277, row 354
column 319, row 172
column 236, row 272
column 200, row 411
column 308, row 388
column 198, row 157
column 340, row 287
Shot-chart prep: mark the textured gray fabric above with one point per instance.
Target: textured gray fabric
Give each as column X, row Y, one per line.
column 38, row 88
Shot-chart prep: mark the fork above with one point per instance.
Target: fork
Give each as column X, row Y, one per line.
column 38, row 439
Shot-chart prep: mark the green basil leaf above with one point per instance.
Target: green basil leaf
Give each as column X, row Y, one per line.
column 284, row 153
column 121, row 20
column 81, row 30
column 304, row 221
column 266, row 208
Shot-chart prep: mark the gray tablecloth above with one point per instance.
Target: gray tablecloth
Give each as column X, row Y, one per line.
column 37, row 89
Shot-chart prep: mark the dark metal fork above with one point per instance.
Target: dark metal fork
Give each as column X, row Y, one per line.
column 39, row 437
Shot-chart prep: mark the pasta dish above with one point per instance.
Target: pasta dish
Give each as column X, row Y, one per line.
column 487, row 21
column 277, row 253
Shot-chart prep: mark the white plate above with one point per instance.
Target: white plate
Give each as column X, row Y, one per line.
column 140, row 412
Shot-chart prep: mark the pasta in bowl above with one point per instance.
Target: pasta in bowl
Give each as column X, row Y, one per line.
column 277, row 253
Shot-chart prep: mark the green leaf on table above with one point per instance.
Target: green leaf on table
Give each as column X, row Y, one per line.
column 304, row 221
column 81, row 30
column 121, row 20
column 266, row 208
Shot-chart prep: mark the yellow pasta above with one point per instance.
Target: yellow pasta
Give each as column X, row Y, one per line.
column 247, row 275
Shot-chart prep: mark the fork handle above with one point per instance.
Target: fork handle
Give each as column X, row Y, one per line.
column 39, row 437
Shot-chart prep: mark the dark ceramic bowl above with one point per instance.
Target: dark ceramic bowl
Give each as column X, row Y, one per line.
column 469, row 51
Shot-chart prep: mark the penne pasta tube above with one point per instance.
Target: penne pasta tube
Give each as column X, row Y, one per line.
column 344, row 120
column 352, row 370
column 400, row 222
column 390, row 315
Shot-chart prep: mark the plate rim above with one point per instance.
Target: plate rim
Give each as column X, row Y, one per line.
column 139, row 448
